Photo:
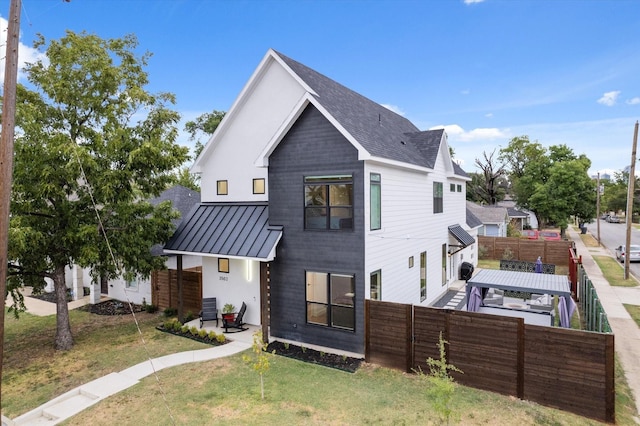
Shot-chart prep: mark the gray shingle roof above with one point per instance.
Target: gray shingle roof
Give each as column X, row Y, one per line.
column 472, row 220
column 488, row 214
column 182, row 199
column 227, row 229
column 382, row 132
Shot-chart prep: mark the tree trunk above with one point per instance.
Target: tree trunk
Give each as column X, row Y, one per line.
column 64, row 339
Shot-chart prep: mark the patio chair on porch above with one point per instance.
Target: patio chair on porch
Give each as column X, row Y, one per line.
column 209, row 310
column 237, row 322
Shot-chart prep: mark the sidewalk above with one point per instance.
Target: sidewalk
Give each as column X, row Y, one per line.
column 626, row 331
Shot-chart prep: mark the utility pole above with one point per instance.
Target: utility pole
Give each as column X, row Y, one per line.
column 629, row 214
column 6, row 153
column 598, row 208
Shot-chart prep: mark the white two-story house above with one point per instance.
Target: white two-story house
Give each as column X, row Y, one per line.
column 315, row 198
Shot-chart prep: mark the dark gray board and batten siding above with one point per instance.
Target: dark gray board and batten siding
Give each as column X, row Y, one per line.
column 313, row 147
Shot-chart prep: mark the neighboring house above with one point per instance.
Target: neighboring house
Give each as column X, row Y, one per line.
column 521, row 218
column 494, row 219
column 137, row 290
column 315, row 198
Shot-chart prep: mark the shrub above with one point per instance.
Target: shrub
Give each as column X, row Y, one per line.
column 170, row 312
column 194, row 331
column 221, row 338
column 177, row 327
column 151, row 309
column 189, row 316
column 203, row 333
column 212, row 335
column 184, row 329
column 507, row 254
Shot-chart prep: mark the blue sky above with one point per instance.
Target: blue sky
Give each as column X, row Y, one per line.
column 561, row 72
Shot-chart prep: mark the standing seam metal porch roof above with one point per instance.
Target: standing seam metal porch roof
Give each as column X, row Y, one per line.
column 521, row 281
column 227, row 229
column 461, row 235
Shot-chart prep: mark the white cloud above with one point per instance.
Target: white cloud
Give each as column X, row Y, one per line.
column 480, row 134
column 633, row 101
column 489, row 115
column 26, row 54
column 465, row 92
column 609, row 98
column 394, row 108
column 472, row 1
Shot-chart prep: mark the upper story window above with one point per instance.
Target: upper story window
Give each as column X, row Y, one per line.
column 452, row 187
column 328, row 202
column 438, row 204
column 375, row 207
column 223, row 187
column 259, row 186
column 459, row 188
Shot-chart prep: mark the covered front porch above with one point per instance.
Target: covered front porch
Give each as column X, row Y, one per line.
column 236, row 243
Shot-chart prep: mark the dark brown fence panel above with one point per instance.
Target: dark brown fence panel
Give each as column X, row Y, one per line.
column 486, row 349
column 164, row 290
column 388, row 334
column 570, row 370
column 554, row 252
column 427, row 325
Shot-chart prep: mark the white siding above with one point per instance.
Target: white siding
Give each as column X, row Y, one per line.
column 241, row 284
column 247, row 132
column 410, row 227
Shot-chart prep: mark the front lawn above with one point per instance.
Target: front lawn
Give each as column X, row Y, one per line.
column 613, row 272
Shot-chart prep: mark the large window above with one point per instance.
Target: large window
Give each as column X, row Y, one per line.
column 375, row 201
column 328, row 202
column 376, row 285
column 330, row 300
column 423, row 276
column 437, row 197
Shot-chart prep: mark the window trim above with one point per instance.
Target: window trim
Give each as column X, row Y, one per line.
column 256, row 186
column 329, row 301
column 438, row 198
column 222, row 187
column 377, row 274
column 223, row 265
column 327, row 182
column 423, row 276
column 375, row 183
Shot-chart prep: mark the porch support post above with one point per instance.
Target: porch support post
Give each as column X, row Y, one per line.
column 78, row 287
column 179, row 278
column 264, row 300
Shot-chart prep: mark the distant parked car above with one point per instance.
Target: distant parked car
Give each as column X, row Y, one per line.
column 634, row 253
column 613, row 219
column 550, row 235
column 604, row 216
column 530, row 234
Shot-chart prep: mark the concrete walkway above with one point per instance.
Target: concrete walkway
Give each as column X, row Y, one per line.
column 626, row 331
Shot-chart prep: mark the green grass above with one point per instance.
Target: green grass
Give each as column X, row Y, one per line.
column 227, row 390
column 33, row 372
column 634, row 311
column 614, row 272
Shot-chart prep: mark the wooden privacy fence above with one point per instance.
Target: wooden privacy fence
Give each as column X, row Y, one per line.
column 567, row 369
column 554, row 252
column 164, row 290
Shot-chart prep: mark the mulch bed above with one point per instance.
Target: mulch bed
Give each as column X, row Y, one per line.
column 108, row 307
column 301, row 353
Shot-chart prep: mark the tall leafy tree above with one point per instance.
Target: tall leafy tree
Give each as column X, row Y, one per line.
column 527, row 165
column 92, row 146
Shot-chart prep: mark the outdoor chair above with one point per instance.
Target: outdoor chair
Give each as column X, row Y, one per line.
column 237, row 323
column 209, row 310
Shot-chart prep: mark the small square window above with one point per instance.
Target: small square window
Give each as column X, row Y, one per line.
column 223, row 187
column 258, row 186
column 411, row 262
column 132, row 283
column 452, row 187
column 459, row 188
column 223, row 265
